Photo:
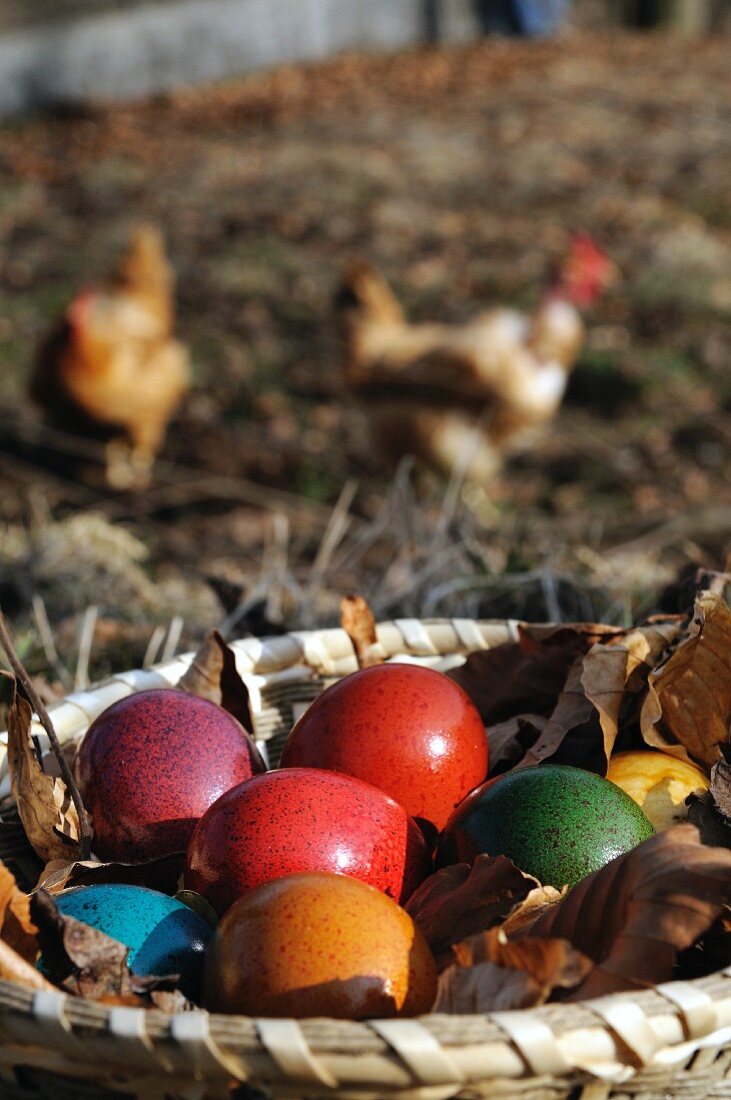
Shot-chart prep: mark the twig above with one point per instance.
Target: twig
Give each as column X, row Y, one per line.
column 47, row 641
column 37, row 703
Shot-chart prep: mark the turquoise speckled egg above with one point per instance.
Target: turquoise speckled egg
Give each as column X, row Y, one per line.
column 163, row 935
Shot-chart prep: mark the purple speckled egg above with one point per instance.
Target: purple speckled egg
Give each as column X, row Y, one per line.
column 150, row 766
column 304, row 819
column 407, row 729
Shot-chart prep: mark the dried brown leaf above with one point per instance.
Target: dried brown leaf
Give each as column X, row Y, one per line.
column 14, row 968
column 711, row 812
column 720, row 788
column 635, row 915
column 572, row 734
column 533, row 906
column 44, row 804
column 158, row 874
column 16, row 927
column 84, row 961
column 509, row 741
column 213, row 675
column 459, row 901
column 358, row 622
column 526, row 676
column 494, row 974
column 614, row 675
column 687, row 711
column 76, row 956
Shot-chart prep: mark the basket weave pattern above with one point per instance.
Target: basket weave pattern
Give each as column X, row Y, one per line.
column 670, row 1042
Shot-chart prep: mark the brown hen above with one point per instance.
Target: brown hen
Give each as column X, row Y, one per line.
column 464, row 396
column 114, row 363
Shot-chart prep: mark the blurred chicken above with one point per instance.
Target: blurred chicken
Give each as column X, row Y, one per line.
column 113, row 361
column 463, row 396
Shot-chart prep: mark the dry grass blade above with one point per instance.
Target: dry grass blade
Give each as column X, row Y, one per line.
column 86, row 638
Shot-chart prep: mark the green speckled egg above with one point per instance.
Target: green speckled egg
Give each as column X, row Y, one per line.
column 555, row 822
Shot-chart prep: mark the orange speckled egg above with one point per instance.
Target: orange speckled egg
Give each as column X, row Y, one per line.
column 319, row 944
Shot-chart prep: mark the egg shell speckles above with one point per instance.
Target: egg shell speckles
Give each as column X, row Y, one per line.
column 319, row 945
column 407, row 729
column 304, row 819
column 163, row 935
column 151, row 765
column 555, row 822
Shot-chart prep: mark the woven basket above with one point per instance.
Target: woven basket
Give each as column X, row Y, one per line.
column 673, row 1041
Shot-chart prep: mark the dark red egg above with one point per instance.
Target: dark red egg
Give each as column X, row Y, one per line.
column 151, row 764
column 404, row 728
column 304, row 819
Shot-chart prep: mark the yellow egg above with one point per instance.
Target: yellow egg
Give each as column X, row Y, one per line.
column 657, row 782
column 319, row 944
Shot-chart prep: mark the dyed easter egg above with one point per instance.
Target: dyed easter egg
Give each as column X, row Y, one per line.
column 304, row 819
column 405, row 728
column 163, row 935
column 658, row 783
column 555, row 822
column 319, row 945
column 151, row 764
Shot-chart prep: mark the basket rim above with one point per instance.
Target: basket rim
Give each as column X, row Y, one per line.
column 612, row 1037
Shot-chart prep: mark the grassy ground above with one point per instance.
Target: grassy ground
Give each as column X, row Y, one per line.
column 460, row 173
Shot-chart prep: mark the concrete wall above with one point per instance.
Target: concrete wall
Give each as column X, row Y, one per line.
column 67, row 51
column 126, row 51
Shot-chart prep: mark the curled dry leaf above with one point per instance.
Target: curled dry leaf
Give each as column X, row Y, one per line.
column 509, row 741
column 572, row 734
column 213, row 675
column 44, row 804
column 459, row 901
column 16, row 927
column 687, row 711
column 158, row 874
column 602, row 691
column 614, row 675
column 711, row 812
column 14, row 968
column 356, row 619
column 493, row 974
column 635, row 915
column 75, row 955
column 533, row 906
column 526, row 676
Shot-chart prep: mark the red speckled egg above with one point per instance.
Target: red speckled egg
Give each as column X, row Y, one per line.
column 151, row 764
column 407, row 729
column 304, row 819
column 319, row 945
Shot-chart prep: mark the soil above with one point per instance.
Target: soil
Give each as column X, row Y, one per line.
column 461, row 173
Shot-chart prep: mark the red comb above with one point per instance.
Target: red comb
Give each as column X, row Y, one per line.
column 585, row 272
